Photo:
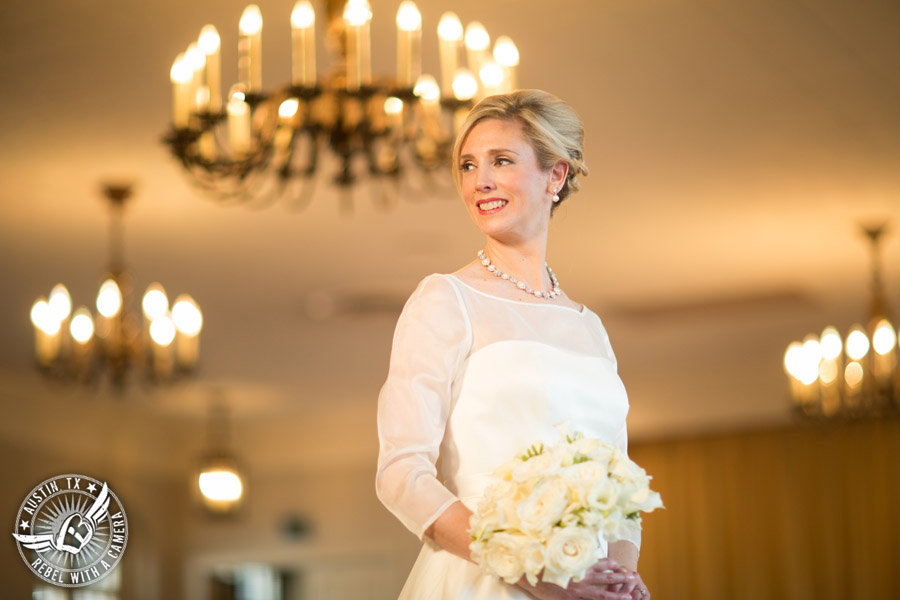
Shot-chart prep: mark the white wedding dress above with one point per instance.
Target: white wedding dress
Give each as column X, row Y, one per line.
column 474, row 379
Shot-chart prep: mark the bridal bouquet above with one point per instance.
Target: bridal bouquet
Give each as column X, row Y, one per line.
column 549, row 510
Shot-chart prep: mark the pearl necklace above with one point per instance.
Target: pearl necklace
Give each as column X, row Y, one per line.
column 553, row 293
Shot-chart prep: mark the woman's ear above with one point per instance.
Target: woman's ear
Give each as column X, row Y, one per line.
column 558, row 173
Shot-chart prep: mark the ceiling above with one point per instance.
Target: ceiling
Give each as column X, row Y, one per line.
column 734, row 147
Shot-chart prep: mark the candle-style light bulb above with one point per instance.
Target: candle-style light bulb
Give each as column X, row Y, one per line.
column 42, row 317
column 186, row 315
column 155, row 302
column 450, row 28
column 162, row 330
column 250, row 48
column 357, row 17
column 181, row 76
column 60, row 302
column 109, row 299
column 450, row 38
column 188, row 322
column 211, row 45
column 477, row 42
column 303, row 44
column 427, row 89
column 493, row 79
column 288, row 108
column 46, row 330
column 82, row 327
column 239, row 133
column 465, row 86
column 857, row 343
column 251, row 20
column 409, row 42
column 506, row 54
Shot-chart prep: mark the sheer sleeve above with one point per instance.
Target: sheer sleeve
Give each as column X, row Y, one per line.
column 431, row 342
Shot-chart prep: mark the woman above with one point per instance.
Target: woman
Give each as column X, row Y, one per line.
column 488, row 359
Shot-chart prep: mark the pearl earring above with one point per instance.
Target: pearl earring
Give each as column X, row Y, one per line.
column 556, row 195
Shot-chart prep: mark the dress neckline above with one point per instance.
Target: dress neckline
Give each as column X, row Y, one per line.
column 581, row 311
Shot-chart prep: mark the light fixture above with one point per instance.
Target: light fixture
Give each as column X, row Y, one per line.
column 258, row 145
column 855, row 377
column 80, row 345
column 220, row 478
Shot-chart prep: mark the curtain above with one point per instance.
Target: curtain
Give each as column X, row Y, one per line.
column 800, row 513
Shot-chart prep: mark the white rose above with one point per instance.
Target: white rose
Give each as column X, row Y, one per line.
column 536, row 467
column 581, row 478
column 590, row 469
column 544, row 506
column 506, row 555
column 570, row 553
column 498, row 506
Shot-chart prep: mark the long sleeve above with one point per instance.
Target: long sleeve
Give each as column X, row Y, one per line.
column 431, row 341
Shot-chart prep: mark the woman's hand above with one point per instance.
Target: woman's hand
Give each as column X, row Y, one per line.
column 606, row 580
column 635, row 587
column 640, row 591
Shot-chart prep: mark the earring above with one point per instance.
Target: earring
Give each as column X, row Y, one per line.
column 556, row 195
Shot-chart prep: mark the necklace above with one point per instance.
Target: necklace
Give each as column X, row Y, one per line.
column 554, row 284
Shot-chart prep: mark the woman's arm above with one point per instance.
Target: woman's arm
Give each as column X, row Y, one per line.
column 450, row 531
column 624, row 553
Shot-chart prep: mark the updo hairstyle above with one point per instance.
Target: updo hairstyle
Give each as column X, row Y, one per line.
column 551, row 126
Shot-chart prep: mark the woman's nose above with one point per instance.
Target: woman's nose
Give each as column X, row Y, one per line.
column 484, row 180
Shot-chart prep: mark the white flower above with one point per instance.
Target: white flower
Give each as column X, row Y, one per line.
column 506, row 555
column 617, row 526
column 536, row 466
column 497, row 509
column 544, row 506
column 553, row 505
column 570, row 552
column 639, row 497
column 624, row 469
column 602, row 495
column 593, row 449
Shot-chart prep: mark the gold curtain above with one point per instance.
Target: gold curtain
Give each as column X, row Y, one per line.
column 800, row 513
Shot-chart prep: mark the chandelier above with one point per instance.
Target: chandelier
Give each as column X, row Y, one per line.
column 261, row 145
column 852, row 377
column 80, row 346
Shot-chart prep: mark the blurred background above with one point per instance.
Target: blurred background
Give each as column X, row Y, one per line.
column 736, row 147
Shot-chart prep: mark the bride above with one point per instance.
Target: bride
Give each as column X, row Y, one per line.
column 488, row 359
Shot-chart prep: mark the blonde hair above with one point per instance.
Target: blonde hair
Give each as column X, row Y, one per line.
column 553, row 128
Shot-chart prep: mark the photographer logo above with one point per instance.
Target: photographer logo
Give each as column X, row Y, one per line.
column 71, row 530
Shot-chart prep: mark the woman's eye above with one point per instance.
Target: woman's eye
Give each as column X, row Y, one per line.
column 503, row 161
column 466, row 167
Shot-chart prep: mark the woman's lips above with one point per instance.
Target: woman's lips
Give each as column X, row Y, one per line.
column 491, row 206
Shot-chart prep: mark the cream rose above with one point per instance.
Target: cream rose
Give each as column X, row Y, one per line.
column 544, row 506
column 498, row 506
column 536, row 466
column 506, row 555
column 570, row 553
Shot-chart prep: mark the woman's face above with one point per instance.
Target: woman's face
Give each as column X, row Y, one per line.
column 504, row 189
